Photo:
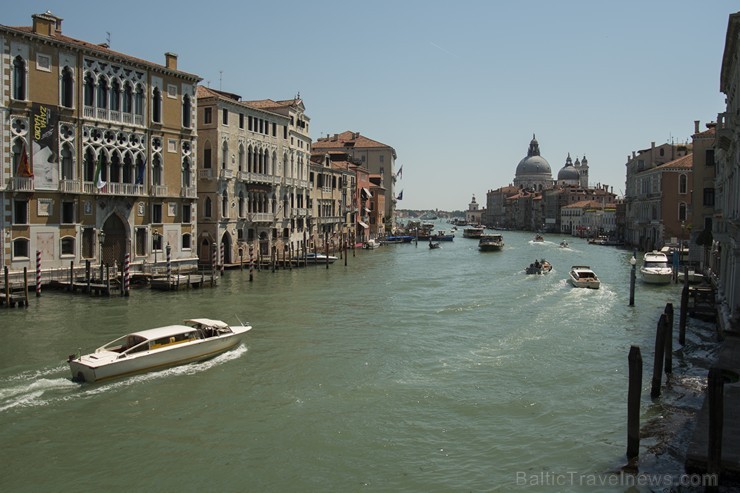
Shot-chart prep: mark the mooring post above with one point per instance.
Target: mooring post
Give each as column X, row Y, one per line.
column 7, row 286
column 344, row 241
column 669, row 338
column 658, row 360
column 38, row 273
column 633, row 402
column 88, row 273
column 326, row 248
column 71, row 275
column 683, row 312
column 715, row 394
column 633, row 275
column 25, row 285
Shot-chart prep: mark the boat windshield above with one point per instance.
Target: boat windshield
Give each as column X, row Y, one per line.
column 651, row 264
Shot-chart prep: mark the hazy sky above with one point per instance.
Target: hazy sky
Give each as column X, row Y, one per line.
column 457, row 88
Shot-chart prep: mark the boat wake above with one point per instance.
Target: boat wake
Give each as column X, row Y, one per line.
column 30, row 389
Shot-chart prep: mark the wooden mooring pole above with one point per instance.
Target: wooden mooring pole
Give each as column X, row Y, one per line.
column 684, row 310
column 669, row 339
column 658, row 360
column 715, row 395
column 633, row 402
column 633, row 275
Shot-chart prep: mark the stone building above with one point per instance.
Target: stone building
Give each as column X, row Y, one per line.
column 253, row 184
column 533, row 172
column 98, row 156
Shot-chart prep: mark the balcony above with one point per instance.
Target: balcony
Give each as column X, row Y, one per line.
column 261, row 217
column 105, row 114
column 205, row 174
column 70, row 186
column 158, row 191
column 226, row 174
column 22, row 183
column 189, row 192
column 250, row 177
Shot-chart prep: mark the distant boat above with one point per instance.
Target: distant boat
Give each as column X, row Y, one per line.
column 563, row 244
column 442, row 235
column 538, row 238
column 433, row 245
column 491, row 243
column 371, row 244
column 318, row 258
column 473, row 232
column 539, row 267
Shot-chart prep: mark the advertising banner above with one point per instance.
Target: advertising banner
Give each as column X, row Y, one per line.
column 44, row 146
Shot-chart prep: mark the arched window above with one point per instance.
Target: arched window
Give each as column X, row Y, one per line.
column 68, row 245
column 208, row 208
column 140, row 170
column 156, row 170
column 241, row 204
column 67, row 165
column 102, row 93
column 186, row 111
column 115, row 167
column 186, row 173
column 157, row 105
column 682, row 211
column 20, row 248
column 139, row 101
column 115, row 96
column 127, row 97
column 225, row 204
column 89, row 95
column 683, row 182
column 68, row 89
column 89, row 165
column 19, row 78
column 128, row 169
column 225, row 155
column 241, row 157
column 186, row 238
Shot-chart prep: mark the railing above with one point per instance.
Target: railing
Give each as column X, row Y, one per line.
column 70, row 186
column 226, row 174
column 189, row 192
column 205, row 174
column 22, row 183
column 261, row 217
column 158, row 191
column 111, row 115
column 257, row 177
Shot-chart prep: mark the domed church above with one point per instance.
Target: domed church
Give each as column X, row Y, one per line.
column 572, row 175
column 533, row 172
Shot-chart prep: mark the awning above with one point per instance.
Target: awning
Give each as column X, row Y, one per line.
column 367, row 192
column 363, row 224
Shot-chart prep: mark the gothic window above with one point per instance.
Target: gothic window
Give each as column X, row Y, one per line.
column 140, row 170
column 207, row 155
column 102, row 93
column 156, row 171
column 128, row 169
column 67, row 166
column 225, row 155
column 186, row 173
column 157, row 106
column 208, row 209
column 19, row 78
column 682, row 211
column 127, row 97
column 139, row 101
column 89, row 96
column 186, row 111
column 115, row 96
column 67, row 91
column 683, row 184
column 89, row 165
column 241, row 204
column 241, row 157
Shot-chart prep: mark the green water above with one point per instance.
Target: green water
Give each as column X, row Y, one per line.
column 409, row 369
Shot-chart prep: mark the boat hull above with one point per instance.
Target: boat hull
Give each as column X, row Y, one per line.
column 111, row 365
column 661, row 276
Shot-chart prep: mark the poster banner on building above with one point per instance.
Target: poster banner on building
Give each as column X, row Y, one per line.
column 44, row 146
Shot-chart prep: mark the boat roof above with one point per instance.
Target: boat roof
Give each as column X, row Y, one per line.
column 171, row 330
column 655, row 254
column 208, row 321
column 581, row 267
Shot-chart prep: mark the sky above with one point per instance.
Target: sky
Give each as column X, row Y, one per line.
column 458, row 89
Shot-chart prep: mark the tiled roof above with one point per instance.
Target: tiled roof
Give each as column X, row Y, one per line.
column 348, row 137
column 685, row 162
column 98, row 49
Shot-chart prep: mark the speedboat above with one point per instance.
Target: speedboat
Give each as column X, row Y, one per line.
column 538, row 238
column 317, row 258
column 581, row 276
column 433, row 244
column 491, row 243
column 563, row 244
column 539, row 267
column 655, row 268
column 154, row 349
column 371, row 244
column 442, row 235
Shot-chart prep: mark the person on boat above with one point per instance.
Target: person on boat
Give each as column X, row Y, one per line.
column 537, row 264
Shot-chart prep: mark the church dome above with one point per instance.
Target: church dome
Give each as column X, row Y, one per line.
column 568, row 172
column 533, row 164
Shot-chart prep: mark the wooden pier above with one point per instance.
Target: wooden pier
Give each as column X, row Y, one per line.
column 14, row 291
column 174, row 282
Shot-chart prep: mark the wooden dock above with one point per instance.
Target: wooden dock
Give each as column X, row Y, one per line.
column 174, row 282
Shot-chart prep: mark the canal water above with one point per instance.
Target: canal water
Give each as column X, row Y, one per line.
column 409, row 369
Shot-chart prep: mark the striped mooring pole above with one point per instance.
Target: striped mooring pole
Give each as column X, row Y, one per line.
column 126, row 274
column 221, row 257
column 38, row 272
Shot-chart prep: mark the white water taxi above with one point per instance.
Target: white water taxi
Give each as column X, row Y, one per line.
column 581, row 276
column 491, row 243
column 154, row 349
column 655, row 268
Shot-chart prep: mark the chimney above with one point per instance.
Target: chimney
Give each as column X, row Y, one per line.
column 47, row 24
column 170, row 60
column 696, row 126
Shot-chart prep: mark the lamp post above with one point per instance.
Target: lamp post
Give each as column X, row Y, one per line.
column 101, row 239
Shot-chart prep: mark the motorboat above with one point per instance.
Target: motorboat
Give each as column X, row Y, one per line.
column 599, row 240
column 564, row 244
column 434, row 245
column 655, row 268
column 442, row 235
column 371, row 244
column 694, row 277
column 154, row 349
column 539, row 267
column 581, row 276
column 317, row 258
column 491, row 242
column 538, row 238
column 474, row 232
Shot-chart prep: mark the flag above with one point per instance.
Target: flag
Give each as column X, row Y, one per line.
column 400, row 196
column 24, row 165
column 399, row 173
column 98, row 170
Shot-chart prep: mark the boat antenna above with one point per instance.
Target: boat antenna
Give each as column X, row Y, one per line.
column 240, row 321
